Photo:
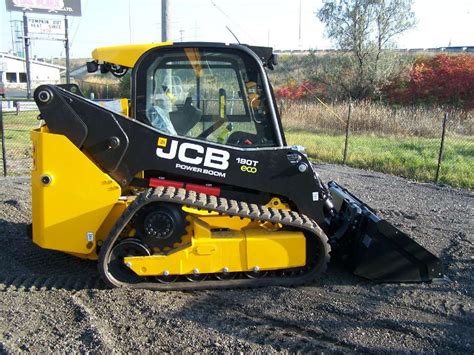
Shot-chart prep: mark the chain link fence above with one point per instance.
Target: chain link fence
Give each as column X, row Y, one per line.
column 424, row 144
column 17, row 119
column 399, row 141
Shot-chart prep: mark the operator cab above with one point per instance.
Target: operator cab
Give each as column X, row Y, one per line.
column 215, row 93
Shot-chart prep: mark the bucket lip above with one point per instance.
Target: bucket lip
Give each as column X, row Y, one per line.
column 376, row 249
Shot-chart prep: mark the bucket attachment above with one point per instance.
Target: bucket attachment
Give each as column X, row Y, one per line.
column 375, row 249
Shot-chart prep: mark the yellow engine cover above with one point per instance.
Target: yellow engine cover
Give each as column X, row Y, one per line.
column 234, row 250
column 71, row 196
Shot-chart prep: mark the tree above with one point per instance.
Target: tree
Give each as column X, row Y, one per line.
column 364, row 30
column 124, row 85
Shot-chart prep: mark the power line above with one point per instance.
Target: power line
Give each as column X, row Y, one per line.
column 78, row 24
column 231, row 20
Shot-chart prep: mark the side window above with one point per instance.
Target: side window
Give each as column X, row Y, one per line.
column 210, row 94
column 22, row 77
column 11, row 78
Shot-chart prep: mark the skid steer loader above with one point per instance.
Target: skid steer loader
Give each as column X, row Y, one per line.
column 192, row 185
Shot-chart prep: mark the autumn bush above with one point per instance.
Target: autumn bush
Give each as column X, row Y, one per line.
column 428, row 80
column 304, row 90
column 436, row 80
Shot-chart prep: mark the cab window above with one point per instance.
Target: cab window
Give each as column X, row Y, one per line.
column 207, row 94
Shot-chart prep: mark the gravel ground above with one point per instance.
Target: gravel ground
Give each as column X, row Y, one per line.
column 54, row 302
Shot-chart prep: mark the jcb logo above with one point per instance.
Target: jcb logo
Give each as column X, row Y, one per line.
column 195, row 154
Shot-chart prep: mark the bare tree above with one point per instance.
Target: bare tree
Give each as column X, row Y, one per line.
column 365, row 30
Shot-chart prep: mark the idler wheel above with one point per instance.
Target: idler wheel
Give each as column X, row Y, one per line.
column 117, row 266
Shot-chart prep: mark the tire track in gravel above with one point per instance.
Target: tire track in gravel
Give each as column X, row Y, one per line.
column 426, row 311
column 299, row 339
column 43, row 283
column 96, row 333
column 25, row 266
column 260, row 327
column 423, row 318
column 335, row 314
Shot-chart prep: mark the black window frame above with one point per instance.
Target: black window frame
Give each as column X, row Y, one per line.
column 138, row 92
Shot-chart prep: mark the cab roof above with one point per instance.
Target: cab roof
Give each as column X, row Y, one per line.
column 128, row 55
column 125, row 55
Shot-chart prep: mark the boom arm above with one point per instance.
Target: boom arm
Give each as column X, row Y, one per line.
column 122, row 147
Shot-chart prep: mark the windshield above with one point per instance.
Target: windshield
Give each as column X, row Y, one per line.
column 209, row 94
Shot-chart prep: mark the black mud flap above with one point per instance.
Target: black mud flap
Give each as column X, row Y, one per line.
column 375, row 249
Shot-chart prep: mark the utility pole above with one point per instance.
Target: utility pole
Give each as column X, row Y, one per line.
column 299, row 27
column 66, row 46
column 12, row 30
column 27, row 56
column 129, row 22
column 165, row 14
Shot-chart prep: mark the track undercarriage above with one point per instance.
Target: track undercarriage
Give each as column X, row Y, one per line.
column 299, row 249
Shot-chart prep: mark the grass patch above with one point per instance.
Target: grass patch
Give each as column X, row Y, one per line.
column 18, row 128
column 412, row 157
column 18, row 145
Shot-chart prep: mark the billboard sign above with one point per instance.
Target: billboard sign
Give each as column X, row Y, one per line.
column 46, row 26
column 50, row 7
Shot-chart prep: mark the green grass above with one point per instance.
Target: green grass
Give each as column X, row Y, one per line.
column 18, row 145
column 18, row 128
column 414, row 158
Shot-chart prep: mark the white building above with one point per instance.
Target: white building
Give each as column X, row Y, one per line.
column 13, row 74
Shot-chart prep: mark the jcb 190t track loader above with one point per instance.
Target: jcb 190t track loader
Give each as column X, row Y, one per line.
column 193, row 186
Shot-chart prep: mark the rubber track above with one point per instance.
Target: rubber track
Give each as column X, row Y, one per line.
column 228, row 207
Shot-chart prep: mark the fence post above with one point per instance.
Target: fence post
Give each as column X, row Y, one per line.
column 2, row 131
column 441, row 147
column 349, row 113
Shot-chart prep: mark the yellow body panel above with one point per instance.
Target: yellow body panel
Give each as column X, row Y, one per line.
column 69, row 210
column 211, row 252
column 126, row 55
column 117, row 210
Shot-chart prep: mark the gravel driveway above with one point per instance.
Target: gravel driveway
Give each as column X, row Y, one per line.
column 54, row 302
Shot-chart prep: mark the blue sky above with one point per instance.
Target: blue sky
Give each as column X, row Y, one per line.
column 258, row 22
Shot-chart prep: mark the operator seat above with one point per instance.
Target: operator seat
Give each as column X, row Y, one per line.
column 186, row 117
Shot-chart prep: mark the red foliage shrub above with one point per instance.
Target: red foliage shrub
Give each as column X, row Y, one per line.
column 442, row 79
column 300, row 91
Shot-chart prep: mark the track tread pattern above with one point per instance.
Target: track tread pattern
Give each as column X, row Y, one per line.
column 223, row 206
